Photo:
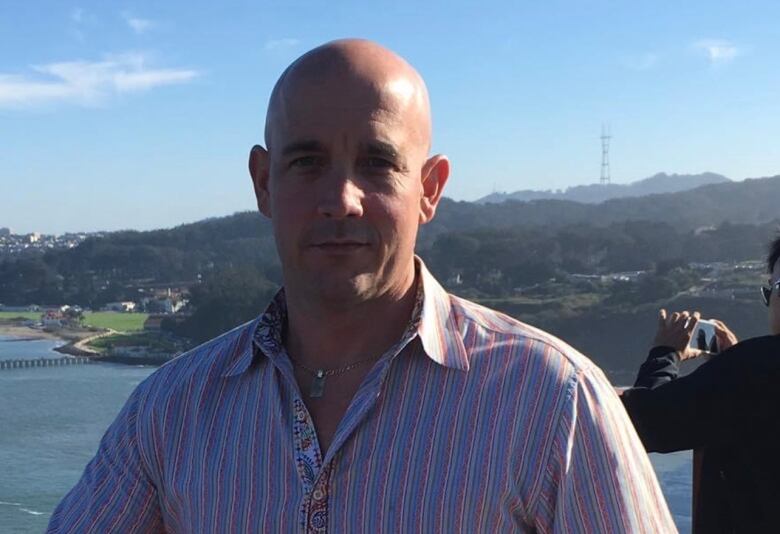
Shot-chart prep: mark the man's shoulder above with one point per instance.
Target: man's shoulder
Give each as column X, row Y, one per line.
column 510, row 332
column 204, row 363
column 753, row 356
column 758, row 345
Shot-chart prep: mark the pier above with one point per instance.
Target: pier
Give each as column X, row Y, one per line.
column 43, row 362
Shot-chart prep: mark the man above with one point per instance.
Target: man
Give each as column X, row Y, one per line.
column 365, row 398
column 727, row 408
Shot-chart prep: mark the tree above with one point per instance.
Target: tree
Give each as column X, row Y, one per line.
column 226, row 299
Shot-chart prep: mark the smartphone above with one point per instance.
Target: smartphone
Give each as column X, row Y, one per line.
column 704, row 337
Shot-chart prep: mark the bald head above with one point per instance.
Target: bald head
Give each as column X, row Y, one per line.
column 345, row 176
column 356, row 71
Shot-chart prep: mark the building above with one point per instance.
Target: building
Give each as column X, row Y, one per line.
column 173, row 304
column 125, row 306
column 53, row 319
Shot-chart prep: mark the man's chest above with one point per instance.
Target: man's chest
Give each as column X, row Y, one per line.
column 327, row 401
column 453, row 466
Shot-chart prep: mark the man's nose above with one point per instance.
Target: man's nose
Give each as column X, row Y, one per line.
column 341, row 197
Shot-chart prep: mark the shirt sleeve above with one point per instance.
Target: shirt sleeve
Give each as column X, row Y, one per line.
column 686, row 412
column 115, row 493
column 662, row 366
column 599, row 478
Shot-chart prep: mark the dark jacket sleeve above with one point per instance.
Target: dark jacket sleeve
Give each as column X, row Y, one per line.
column 662, row 366
column 672, row 413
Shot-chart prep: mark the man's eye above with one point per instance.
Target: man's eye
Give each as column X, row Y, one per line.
column 378, row 163
column 305, row 161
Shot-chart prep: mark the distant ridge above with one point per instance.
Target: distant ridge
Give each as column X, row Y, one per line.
column 597, row 193
column 249, row 236
column 752, row 201
column 730, row 220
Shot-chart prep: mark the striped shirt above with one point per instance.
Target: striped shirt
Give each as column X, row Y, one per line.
column 473, row 422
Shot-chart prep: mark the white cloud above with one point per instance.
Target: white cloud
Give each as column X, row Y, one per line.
column 86, row 82
column 276, row 44
column 717, row 51
column 137, row 24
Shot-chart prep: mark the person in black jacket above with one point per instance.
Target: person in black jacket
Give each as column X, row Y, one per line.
column 728, row 408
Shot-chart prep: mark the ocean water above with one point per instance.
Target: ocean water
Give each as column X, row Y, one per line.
column 675, row 472
column 24, row 349
column 52, row 419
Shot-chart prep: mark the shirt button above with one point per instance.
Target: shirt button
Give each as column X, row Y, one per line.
column 318, row 495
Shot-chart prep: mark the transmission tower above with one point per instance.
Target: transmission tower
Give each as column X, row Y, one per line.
column 605, row 137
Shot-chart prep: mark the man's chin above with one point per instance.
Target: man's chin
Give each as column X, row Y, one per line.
column 343, row 290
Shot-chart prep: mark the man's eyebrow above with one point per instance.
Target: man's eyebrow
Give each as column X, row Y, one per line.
column 380, row 148
column 303, row 146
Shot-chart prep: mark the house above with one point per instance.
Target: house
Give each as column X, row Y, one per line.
column 164, row 305
column 126, row 306
column 172, row 305
column 53, row 319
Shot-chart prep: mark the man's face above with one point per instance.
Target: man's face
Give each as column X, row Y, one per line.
column 774, row 301
column 344, row 189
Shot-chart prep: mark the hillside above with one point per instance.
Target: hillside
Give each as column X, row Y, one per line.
column 596, row 193
column 627, row 233
column 569, row 267
column 753, row 201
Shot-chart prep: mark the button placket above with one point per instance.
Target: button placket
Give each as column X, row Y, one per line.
column 308, row 459
column 318, row 504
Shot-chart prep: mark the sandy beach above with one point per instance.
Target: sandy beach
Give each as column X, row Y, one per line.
column 10, row 329
column 73, row 340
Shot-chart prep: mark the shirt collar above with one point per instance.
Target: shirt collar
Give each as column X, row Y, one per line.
column 265, row 336
column 436, row 324
column 439, row 328
column 243, row 354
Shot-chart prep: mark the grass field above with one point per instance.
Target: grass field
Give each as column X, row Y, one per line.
column 151, row 340
column 121, row 322
column 5, row 315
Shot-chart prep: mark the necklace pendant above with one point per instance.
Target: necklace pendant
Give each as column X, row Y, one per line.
column 317, row 387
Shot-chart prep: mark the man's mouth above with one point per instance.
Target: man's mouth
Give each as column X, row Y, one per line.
column 340, row 245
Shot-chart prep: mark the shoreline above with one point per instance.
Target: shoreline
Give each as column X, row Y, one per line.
column 71, row 341
column 25, row 333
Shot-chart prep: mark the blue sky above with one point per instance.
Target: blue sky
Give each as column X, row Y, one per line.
column 140, row 115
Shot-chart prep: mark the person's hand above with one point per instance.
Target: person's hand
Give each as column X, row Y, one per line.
column 726, row 338
column 675, row 331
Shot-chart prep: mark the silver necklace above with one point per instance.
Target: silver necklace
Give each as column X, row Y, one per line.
column 317, row 387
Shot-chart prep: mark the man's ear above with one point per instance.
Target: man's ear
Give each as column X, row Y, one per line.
column 259, row 171
column 434, row 175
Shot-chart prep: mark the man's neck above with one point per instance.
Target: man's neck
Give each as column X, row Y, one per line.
column 328, row 338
